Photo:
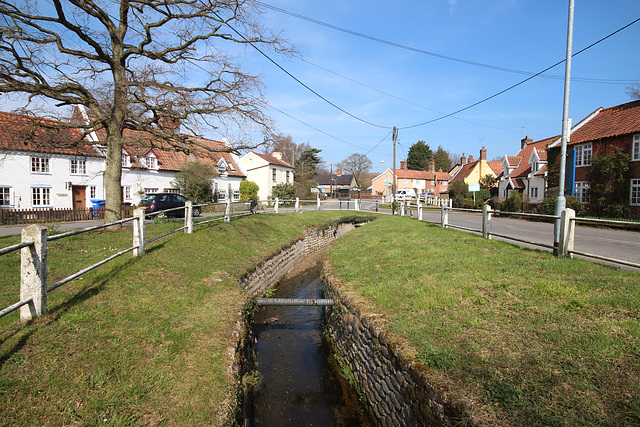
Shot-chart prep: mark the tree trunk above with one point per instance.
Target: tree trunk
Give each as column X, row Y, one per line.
column 112, row 175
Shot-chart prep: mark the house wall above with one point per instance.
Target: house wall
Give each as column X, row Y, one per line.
column 377, row 184
column 261, row 172
column 15, row 174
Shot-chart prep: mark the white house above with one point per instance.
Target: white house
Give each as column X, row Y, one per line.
column 267, row 171
column 526, row 172
column 44, row 165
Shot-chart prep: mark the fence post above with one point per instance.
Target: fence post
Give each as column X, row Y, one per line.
column 444, row 216
column 318, row 203
column 138, row 232
column 486, row 221
column 298, row 204
column 227, row 211
column 566, row 232
column 33, row 272
column 275, row 207
column 188, row 217
column 420, row 211
column 357, row 202
column 402, row 208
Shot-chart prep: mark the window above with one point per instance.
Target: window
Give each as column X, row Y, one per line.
column 40, row 196
column 126, row 192
column 150, row 162
column 222, row 195
column 5, row 200
column 273, row 174
column 171, row 190
column 533, row 192
column 534, row 167
column 40, row 164
column 404, row 180
column 635, row 192
column 222, row 167
column 236, row 195
column 150, row 190
column 583, row 155
column 92, row 191
column 635, row 150
column 288, row 175
column 126, row 160
column 78, row 167
column 582, row 191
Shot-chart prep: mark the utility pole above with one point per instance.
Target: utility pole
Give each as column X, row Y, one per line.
column 393, row 182
column 561, row 201
column 331, row 182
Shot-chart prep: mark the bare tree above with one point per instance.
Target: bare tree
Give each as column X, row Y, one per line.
column 357, row 165
column 633, row 90
column 138, row 64
column 287, row 146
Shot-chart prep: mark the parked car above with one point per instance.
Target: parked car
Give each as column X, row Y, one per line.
column 162, row 201
column 406, row 194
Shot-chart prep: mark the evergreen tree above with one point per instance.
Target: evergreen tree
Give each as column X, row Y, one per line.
column 609, row 184
column 307, row 165
column 419, row 156
column 442, row 159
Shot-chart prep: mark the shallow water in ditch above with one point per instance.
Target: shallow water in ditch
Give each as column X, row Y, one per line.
column 299, row 381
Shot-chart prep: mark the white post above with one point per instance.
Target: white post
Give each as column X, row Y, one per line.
column 444, row 216
column 420, row 211
column 138, row 232
column 297, row 207
column 357, row 204
column 566, row 232
column 275, row 207
column 188, row 217
column 402, row 208
column 33, row 272
column 318, row 203
column 227, row 211
column 486, row 221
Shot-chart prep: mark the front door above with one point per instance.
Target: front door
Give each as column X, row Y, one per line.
column 79, row 197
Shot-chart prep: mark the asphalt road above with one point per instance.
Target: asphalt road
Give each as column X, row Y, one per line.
column 617, row 244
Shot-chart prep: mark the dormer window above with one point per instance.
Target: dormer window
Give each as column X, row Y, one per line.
column 222, row 166
column 534, row 167
column 126, row 160
column 150, row 160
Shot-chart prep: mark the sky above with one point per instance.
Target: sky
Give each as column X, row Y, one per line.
column 456, row 53
column 383, row 85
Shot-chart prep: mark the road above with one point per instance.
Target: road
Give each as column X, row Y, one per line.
column 617, row 244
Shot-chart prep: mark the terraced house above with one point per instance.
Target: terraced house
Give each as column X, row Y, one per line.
column 605, row 130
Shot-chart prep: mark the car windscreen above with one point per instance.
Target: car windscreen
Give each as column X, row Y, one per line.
column 148, row 198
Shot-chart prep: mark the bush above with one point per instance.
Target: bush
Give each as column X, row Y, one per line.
column 248, row 190
column 513, row 203
column 549, row 204
column 284, row 191
column 194, row 181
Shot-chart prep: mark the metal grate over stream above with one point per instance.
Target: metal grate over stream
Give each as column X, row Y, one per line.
column 294, row 301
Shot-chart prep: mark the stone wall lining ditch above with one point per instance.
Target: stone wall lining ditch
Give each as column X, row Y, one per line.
column 394, row 389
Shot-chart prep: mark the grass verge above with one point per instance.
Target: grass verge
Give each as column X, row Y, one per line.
column 529, row 339
column 137, row 341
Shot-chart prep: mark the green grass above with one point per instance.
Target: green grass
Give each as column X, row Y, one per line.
column 138, row 341
column 528, row 338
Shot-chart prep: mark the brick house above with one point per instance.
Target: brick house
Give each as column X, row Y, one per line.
column 599, row 134
column 430, row 181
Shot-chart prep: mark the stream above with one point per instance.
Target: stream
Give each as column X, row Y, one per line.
column 299, row 381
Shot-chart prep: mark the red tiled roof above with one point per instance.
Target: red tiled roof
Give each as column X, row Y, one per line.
column 524, row 168
column 514, row 160
column 414, row 174
column 30, row 134
column 274, row 161
column 619, row 120
column 464, row 172
column 496, row 167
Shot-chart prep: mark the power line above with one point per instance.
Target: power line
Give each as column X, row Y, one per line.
column 437, row 55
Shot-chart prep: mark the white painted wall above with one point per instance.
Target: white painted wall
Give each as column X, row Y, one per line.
column 15, row 174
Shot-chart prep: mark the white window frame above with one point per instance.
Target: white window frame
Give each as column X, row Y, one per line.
column 582, row 192
column 583, row 154
column 236, row 195
column 126, row 160
column 635, row 148
column 634, row 196
column 78, row 167
column 40, row 165
column 40, row 196
column 274, row 175
column 5, row 195
column 150, row 190
column 126, row 192
column 533, row 192
column 92, row 192
column 288, row 172
column 150, row 162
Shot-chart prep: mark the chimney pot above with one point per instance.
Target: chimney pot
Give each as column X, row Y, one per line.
column 483, row 154
column 463, row 160
column 525, row 141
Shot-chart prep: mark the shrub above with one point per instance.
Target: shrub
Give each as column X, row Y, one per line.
column 248, row 190
column 513, row 203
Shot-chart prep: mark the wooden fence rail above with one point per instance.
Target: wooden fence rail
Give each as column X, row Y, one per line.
column 51, row 215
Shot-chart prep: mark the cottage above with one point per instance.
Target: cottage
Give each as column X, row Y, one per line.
column 267, row 171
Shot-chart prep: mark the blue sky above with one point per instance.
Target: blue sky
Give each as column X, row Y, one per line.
column 388, row 86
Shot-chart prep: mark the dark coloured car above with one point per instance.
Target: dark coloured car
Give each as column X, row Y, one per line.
column 162, row 201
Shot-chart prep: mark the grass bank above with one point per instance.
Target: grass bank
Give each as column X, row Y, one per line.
column 137, row 341
column 525, row 338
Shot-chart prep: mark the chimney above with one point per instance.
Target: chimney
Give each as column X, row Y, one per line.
column 277, row 155
column 403, row 165
column 470, row 159
column 483, row 154
column 338, row 172
column 166, row 120
column 463, row 160
column 525, row 141
column 432, row 165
